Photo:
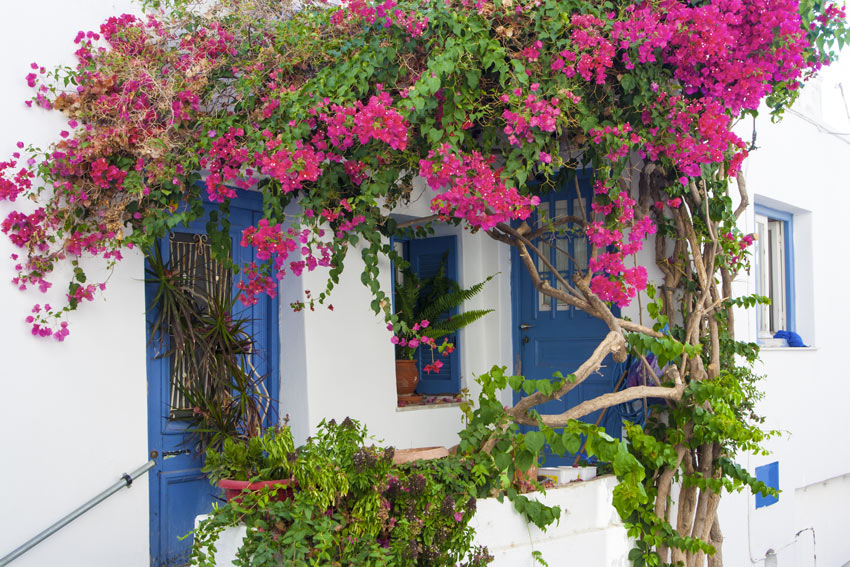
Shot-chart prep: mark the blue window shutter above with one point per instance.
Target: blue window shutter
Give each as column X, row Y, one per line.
column 768, row 474
column 425, row 255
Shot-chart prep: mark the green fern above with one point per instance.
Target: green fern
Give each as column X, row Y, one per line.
column 442, row 304
column 455, row 322
column 433, row 299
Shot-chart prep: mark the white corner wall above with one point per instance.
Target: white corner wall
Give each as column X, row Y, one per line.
column 73, row 415
column 341, row 363
column 802, row 166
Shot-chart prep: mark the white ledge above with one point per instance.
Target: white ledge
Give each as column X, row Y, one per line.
column 414, row 407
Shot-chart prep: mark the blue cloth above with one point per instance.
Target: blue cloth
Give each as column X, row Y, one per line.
column 793, row 339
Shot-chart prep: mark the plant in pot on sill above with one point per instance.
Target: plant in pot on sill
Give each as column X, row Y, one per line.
column 424, row 309
column 262, row 461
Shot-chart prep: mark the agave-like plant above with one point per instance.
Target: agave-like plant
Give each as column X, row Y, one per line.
column 434, row 300
column 209, row 350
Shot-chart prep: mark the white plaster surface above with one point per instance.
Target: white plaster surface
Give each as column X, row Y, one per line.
column 72, row 415
column 341, row 363
column 801, row 166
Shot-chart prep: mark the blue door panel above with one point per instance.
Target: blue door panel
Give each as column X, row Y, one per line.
column 178, row 490
column 182, row 490
column 558, row 337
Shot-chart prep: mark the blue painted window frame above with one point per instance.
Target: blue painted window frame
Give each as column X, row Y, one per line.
column 446, row 381
column 787, row 220
column 768, row 474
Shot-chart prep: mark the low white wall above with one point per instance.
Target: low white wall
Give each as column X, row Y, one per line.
column 73, row 415
column 589, row 534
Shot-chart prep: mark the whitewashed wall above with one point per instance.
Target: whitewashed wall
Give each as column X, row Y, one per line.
column 802, row 166
column 341, row 363
column 73, row 416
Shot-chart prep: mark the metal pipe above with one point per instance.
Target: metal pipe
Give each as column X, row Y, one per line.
column 125, row 482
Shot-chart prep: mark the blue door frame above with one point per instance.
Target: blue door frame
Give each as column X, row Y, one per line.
column 179, row 491
column 566, row 334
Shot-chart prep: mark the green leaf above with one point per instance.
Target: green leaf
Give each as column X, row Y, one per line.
column 503, row 461
column 515, row 382
column 534, row 440
column 544, row 386
column 524, row 460
column 572, row 442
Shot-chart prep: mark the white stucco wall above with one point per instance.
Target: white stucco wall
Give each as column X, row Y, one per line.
column 72, row 415
column 801, row 166
column 341, row 363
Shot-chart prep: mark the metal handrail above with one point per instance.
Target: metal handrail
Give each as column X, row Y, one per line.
column 125, row 482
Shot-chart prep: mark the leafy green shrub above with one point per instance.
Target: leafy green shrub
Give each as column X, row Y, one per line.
column 353, row 506
column 268, row 457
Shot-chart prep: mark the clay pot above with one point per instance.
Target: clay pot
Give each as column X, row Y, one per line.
column 233, row 488
column 406, row 377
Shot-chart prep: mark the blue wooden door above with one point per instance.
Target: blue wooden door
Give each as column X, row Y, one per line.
column 551, row 336
column 179, row 491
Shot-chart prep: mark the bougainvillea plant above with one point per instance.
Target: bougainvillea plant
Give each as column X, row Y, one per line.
column 341, row 108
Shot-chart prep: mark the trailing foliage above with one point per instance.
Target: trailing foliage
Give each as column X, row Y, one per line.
column 353, row 506
column 208, row 349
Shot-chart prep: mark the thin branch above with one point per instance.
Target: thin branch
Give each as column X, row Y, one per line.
column 745, row 198
column 649, row 369
column 611, row 343
column 419, row 221
column 526, row 243
column 555, row 223
column 611, row 399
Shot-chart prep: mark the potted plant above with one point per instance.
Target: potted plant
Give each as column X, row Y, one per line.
column 424, row 309
column 261, row 461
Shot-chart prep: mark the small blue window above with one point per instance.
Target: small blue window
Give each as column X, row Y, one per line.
column 425, row 256
column 768, row 474
column 774, row 260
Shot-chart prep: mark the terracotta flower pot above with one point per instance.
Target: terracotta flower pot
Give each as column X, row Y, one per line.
column 406, row 377
column 233, row 488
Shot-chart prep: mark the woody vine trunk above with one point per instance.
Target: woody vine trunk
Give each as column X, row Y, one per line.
column 701, row 312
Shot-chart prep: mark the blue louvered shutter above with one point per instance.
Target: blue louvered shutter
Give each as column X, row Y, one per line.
column 425, row 255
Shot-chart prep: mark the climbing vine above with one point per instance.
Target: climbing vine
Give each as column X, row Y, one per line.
column 339, row 114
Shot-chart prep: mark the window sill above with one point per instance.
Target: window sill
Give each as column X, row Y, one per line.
column 433, row 402
column 766, row 348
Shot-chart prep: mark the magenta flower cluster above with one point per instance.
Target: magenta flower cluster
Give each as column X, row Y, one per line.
column 472, row 190
column 701, row 65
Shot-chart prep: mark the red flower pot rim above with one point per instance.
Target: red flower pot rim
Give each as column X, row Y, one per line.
column 233, row 488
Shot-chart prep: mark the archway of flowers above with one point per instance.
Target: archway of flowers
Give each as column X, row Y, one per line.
column 339, row 108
